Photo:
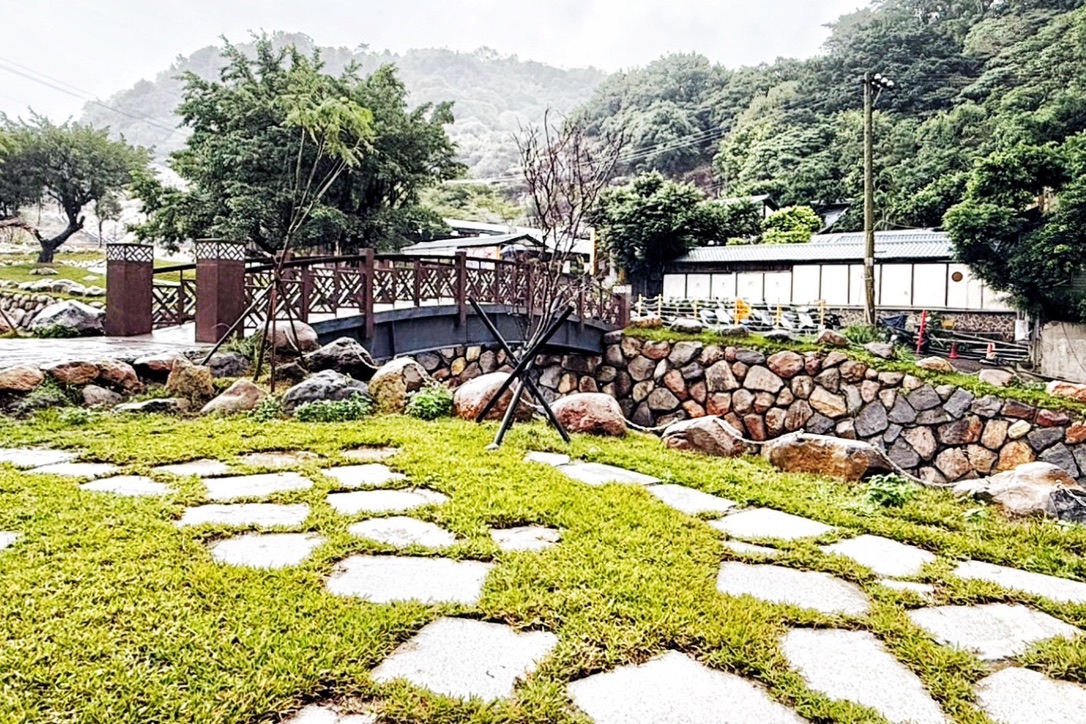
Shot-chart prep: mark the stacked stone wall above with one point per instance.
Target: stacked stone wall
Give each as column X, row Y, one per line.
column 20, row 308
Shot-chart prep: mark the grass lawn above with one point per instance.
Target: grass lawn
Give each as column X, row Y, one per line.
column 110, row 613
column 23, row 264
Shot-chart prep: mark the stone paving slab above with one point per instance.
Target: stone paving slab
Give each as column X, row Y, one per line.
column 600, row 474
column 525, row 538
column 768, row 523
column 403, row 531
column 465, row 658
column 1023, row 696
column 690, row 501
column 855, row 666
column 316, row 714
column 385, row 579
column 369, row 454
column 255, row 486
column 806, row 589
column 278, row 459
column 77, row 470
column 384, row 501
column 546, row 458
column 924, row 590
column 32, row 457
column 676, row 689
column 884, row 556
column 128, row 485
column 750, row 549
column 1058, row 589
column 991, row 631
column 374, row 475
column 266, row 550
column 203, row 468
column 267, row 515
column 8, row 539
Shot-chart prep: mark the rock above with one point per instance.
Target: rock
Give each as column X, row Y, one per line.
column 592, row 413
column 1019, row 410
column 706, row 435
column 684, row 352
column 72, row 374
column 1076, row 433
column 830, row 405
column 119, row 375
column 82, row 319
column 959, row 401
column 166, row 405
column 1051, row 418
column 981, row 459
column 823, row 455
column 292, row 338
column 1014, row 454
column 1060, row 455
column 1044, row 437
column 853, row 371
column 998, row 378
column 95, row 396
column 656, row 351
column 829, row 379
column 472, row 396
column 960, row 432
column 799, row 412
column 872, row 420
column 987, row 406
column 1028, row 489
column 885, row 350
column 953, row 464
column 156, row 367
column 903, row 456
column 641, row 368
column 829, row 338
column 687, row 326
column 994, row 435
column 742, row 401
column 786, row 365
column 749, row 357
column 242, row 396
column 812, row 363
column 325, row 385
column 392, row 384
column 719, row 378
column 290, row 371
column 761, row 379
column 922, row 440
column 20, row 378
column 1066, row 389
column 229, row 364
column 924, row 398
column 662, row 400
column 1018, row 429
column 190, row 382
column 935, row 364
column 631, row 346
column 803, row 386
column 891, row 379
column 819, row 424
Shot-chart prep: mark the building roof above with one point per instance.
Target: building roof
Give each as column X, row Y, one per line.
column 469, row 242
column 908, row 244
column 765, row 199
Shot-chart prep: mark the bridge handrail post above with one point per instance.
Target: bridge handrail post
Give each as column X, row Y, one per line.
column 129, row 289
column 460, row 288
column 306, row 300
column 367, row 293
column 416, row 288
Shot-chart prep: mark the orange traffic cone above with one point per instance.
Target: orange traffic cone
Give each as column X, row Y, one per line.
column 990, row 354
column 953, row 350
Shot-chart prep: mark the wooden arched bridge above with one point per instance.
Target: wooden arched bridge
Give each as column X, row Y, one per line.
column 393, row 304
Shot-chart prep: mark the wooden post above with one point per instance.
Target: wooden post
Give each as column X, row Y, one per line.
column 460, row 287
column 129, row 280
column 306, row 300
column 367, row 293
column 220, row 287
column 416, row 286
column 624, row 304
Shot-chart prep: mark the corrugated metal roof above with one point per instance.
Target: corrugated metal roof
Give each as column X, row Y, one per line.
column 909, row 244
column 469, row 242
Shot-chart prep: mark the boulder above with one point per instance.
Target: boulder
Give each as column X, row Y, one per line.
column 1028, row 489
column 82, row 319
column 242, row 396
column 687, row 326
column 823, row 455
column 1066, row 389
column 119, row 375
column 325, row 385
column 392, row 384
column 593, row 413
column 190, row 382
column 95, row 396
column 996, row 378
column 72, row 374
column 157, row 367
column 20, row 378
column 829, row 338
column 472, row 396
column 935, row 364
column 885, row 350
column 346, row 355
column 293, row 338
column 706, row 435
column 229, row 364
column 166, row 405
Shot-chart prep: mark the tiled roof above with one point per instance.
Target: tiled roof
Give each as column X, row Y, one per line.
column 910, row 244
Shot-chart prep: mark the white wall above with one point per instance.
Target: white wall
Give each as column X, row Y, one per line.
column 1062, row 351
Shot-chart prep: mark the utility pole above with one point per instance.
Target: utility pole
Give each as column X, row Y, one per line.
column 871, row 85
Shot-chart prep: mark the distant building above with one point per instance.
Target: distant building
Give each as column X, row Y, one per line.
column 496, row 246
column 765, row 203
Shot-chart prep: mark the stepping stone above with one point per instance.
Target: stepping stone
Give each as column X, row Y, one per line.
column 546, row 458
column 924, row 590
column 8, row 539
column 355, row 476
column 204, row 468
column 255, row 486
column 806, row 589
column 277, row 459
column 1058, row 589
column 525, row 538
column 32, row 457
column 690, row 501
column 749, row 549
column 266, row 550
column 384, row 579
column 384, row 501
column 266, row 515
column 600, row 474
column 992, row 631
column 402, row 531
column 1022, row 696
column 676, row 689
column 768, row 523
column 129, row 485
column 464, row 658
column 370, row 454
column 854, row 666
column 315, row 714
column 77, row 470
column 883, row 556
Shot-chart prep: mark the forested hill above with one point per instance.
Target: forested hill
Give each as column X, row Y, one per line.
column 972, row 77
column 493, row 95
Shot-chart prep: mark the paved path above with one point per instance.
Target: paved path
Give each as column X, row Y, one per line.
column 37, row 352
column 464, row 657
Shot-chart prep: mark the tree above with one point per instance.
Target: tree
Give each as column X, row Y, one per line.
column 791, row 225
column 71, row 165
column 462, row 199
column 282, row 153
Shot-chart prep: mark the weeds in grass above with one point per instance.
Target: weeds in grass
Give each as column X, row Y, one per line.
column 270, row 408
column 55, row 331
column 889, row 491
column 357, row 407
column 861, row 334
column 431, row 402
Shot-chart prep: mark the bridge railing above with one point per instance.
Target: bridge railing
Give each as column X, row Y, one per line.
column 173, row 295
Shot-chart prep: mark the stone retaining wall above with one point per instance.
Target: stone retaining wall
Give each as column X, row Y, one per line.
column 456, row 365
column 937, row 433
column 997, row 323
column 21, row 307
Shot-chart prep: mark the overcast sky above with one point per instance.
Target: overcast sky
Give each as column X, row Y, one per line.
column 93, row 48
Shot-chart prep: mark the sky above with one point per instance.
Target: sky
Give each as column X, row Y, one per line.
column 78, row 50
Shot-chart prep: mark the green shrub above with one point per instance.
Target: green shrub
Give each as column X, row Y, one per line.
column 75, row 416
column 55, row 331
column 889, row 491
column 355, row 408
column 431, row 402
column 861, row 334
column 270, row 408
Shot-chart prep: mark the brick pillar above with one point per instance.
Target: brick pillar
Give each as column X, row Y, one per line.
column 220, row 287
column 129, row 276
